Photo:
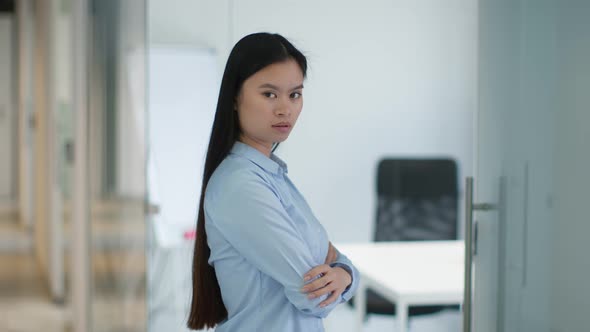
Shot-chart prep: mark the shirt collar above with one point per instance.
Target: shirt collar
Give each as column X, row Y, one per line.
column 273, row 164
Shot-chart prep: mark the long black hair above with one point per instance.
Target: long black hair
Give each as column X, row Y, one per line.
column 251, row 54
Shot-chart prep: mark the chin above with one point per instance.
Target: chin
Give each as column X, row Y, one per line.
column 281, row 139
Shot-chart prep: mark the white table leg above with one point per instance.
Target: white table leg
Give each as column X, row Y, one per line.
column 360, row 304
column 402, row 316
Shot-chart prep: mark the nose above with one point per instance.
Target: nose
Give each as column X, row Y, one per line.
column 283, row 109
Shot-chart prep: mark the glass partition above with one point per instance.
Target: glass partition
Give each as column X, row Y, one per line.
column 116, row 159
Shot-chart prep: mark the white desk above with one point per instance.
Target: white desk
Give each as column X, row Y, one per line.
column 408, row 273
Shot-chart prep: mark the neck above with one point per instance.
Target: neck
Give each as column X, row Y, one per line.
column 263, row 148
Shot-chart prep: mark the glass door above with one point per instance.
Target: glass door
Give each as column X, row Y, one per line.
column 528, row 251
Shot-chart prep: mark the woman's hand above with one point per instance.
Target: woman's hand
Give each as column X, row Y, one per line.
column 332, row 254
column 332, row 280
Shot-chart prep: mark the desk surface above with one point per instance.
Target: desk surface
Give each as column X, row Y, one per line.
column 421, row 272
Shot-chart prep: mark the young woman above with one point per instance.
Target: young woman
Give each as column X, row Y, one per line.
column 262, row 261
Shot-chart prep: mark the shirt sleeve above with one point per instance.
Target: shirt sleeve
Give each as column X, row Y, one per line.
column 253, row 220
column 345, row 263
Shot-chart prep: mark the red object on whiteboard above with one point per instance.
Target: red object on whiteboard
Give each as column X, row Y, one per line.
column 190, row 235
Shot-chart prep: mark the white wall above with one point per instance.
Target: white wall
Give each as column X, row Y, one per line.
column 387, row 78
column 195, row 23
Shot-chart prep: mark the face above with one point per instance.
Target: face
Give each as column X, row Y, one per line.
column 269, row 104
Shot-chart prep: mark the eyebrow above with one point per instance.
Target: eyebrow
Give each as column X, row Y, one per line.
column 274, row 87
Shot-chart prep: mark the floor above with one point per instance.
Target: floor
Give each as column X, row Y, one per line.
column 24, row 301
column 343, row 319
column 16, row 314
column 118, row 284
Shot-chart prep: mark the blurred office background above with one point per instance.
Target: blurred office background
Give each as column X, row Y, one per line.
column 105, row 112
column 41, row 196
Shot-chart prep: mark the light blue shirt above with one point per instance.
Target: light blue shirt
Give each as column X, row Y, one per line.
column 263, row 238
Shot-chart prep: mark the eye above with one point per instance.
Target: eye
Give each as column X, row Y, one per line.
column 296, row 95
column 269, row 94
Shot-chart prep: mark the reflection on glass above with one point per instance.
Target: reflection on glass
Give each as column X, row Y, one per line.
column 117, row 165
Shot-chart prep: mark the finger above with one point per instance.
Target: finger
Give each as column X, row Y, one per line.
column 330, row 299
column 324, row 268
column 316, row 284
column 325, row 290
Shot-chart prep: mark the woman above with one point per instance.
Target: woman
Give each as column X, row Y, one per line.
column 262, row 261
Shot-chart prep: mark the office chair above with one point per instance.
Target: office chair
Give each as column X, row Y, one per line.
column 416, row 201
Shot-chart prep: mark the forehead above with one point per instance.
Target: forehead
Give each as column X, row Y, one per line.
column 283, row 74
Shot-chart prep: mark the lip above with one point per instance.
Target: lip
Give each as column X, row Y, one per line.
column 282, row 124
column 283, row 127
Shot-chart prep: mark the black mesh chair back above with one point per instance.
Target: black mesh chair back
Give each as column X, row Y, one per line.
column 417, row 200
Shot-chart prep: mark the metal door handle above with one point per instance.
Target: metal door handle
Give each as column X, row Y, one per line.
column 469, row 208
